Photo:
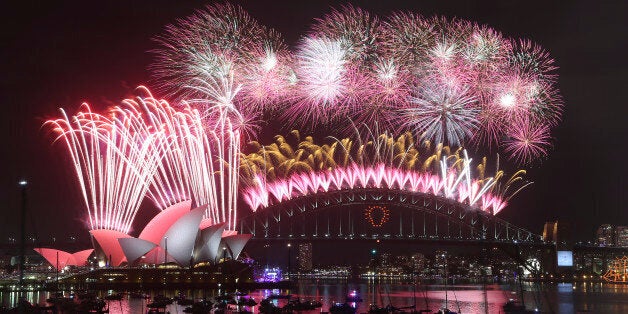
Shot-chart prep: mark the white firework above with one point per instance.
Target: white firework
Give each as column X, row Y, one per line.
column 321, row 70
column 442, row 114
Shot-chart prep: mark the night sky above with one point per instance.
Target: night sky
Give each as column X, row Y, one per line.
column 61, row 53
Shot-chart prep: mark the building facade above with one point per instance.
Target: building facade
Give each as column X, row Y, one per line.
column 304, row 257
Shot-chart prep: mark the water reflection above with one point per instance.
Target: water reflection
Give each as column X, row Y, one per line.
column 471, row 298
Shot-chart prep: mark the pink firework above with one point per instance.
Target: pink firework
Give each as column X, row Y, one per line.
column 528, row 57
column 355, row 65
column 359, row 32
column 221, row 55
column 392, row 83
column 265, row 74
column 266, row 81
column 527, row 140
column 512, row 94
column 452, row 183
column 409, row 36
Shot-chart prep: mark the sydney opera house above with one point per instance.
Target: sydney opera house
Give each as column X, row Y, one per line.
column 177, row 235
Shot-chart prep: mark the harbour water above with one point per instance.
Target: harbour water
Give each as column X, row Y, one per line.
column 461, row 298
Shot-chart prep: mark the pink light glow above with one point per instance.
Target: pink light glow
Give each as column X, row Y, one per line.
column 108, row 241
column 56, row 258
column 453, row 185
column 159, row 225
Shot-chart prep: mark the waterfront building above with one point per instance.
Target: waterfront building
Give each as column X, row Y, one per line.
column 385, row 260
column 548, row 231
column 621, row 236
column 418, row 261
column 304, row 257
column 605, row 235
column 175, row 235
column 440, row 259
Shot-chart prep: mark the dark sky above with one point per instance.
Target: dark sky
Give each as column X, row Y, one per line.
column 61, row 53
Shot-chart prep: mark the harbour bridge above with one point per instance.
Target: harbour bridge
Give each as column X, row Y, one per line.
column 372, row 214
column 382, row 214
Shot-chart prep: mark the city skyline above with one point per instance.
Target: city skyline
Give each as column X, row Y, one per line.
column 557, row 195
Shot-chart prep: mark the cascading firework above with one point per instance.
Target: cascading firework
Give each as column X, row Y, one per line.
column 178, row 159
column 277, row 172
column 115, row 158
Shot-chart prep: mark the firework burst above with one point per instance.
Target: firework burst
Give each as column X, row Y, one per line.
column 442, row 115
column 321, row 68
column 459, row 82
column 359, row 33
column 527, row 140
column 222, row 55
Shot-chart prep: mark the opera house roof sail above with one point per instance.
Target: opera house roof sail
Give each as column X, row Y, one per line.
column 177, row 234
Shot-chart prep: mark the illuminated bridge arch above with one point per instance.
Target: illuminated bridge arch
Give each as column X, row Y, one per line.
column 380, row 214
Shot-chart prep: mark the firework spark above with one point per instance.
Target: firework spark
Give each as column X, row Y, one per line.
column 115, row 159
column 442, row 115
column 448, row 75
column 278, row 172
column 527, row 140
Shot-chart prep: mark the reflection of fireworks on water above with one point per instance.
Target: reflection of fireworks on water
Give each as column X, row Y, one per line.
column 279, row 172
column 356, row 66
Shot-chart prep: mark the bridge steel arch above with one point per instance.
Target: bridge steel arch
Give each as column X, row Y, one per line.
column 413, row 216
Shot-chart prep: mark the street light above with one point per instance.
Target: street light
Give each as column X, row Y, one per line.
column 289, row 246
column 23, row 183
column 373, row 262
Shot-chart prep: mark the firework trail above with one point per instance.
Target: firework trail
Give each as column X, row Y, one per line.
column 201, row 163
column 115, row 158
column 171, row 183
column 145, row 147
